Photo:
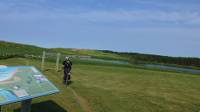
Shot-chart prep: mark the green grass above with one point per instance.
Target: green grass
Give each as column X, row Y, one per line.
column 108, row 88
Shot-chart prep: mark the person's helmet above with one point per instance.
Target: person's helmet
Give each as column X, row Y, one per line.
column 67, row 58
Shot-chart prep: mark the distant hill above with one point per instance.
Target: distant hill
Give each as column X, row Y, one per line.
column 17, row 49
column 10, row 49
column 7, row 48
column 89, row 52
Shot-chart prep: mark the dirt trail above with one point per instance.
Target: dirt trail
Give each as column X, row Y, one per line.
column 83, row 102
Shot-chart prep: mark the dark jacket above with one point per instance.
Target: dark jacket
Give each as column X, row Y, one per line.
column 67, row 65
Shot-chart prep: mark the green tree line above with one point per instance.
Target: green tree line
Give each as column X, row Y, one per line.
column 137, row 58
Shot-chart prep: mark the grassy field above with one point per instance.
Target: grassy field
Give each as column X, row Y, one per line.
column 106, row 88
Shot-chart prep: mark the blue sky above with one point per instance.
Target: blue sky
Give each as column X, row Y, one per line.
column 166, row 27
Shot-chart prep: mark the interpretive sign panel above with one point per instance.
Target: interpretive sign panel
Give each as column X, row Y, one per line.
column 19, row 83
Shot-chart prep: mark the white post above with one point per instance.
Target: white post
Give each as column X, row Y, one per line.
column 57, row 62
column 43, row 59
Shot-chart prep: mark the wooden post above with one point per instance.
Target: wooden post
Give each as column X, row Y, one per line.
column 26, row 105
column 43, row 59
column 57, row 62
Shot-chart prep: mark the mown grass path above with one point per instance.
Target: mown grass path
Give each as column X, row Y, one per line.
column 81, row 101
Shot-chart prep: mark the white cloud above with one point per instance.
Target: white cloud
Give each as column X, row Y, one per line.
column 140, row 16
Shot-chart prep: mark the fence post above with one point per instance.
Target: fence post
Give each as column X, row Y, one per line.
column 43, row 59
column 57, row 62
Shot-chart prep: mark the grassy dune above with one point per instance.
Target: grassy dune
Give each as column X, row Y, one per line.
column 9, row 48
column 98, row 88
column 16, row 48
column 88, row 52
